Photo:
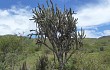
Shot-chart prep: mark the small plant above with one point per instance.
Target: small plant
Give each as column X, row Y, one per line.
column 24, row 66
column 42, row 63
column 101, row 48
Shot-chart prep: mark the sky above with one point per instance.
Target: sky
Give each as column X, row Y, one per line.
column 93, row 15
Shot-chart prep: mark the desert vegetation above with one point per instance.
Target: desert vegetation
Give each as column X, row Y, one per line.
column 21, row 53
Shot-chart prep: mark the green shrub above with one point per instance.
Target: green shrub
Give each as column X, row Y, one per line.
column 42, row 63
column 101, row 48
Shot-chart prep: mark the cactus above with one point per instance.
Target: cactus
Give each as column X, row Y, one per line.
column 60, row 29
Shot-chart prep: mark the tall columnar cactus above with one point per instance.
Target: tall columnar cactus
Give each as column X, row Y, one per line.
column 59, row 27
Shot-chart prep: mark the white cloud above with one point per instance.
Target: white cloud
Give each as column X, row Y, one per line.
column 93, row 34
column 106, row 32
column 3, row 13
column 15, row 20
column 91, row 15
column 96, row 34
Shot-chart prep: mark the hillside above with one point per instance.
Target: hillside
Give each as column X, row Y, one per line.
column 16, row 49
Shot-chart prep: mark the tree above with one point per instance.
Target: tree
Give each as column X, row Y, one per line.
column 59, row 27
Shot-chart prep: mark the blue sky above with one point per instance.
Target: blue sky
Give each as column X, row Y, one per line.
column 93, row 15
column 5, row 4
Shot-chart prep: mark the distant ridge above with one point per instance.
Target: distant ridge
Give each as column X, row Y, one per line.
column 104, row 37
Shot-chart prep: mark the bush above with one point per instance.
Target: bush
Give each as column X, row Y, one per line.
column 42, row 63
column 101, row 48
